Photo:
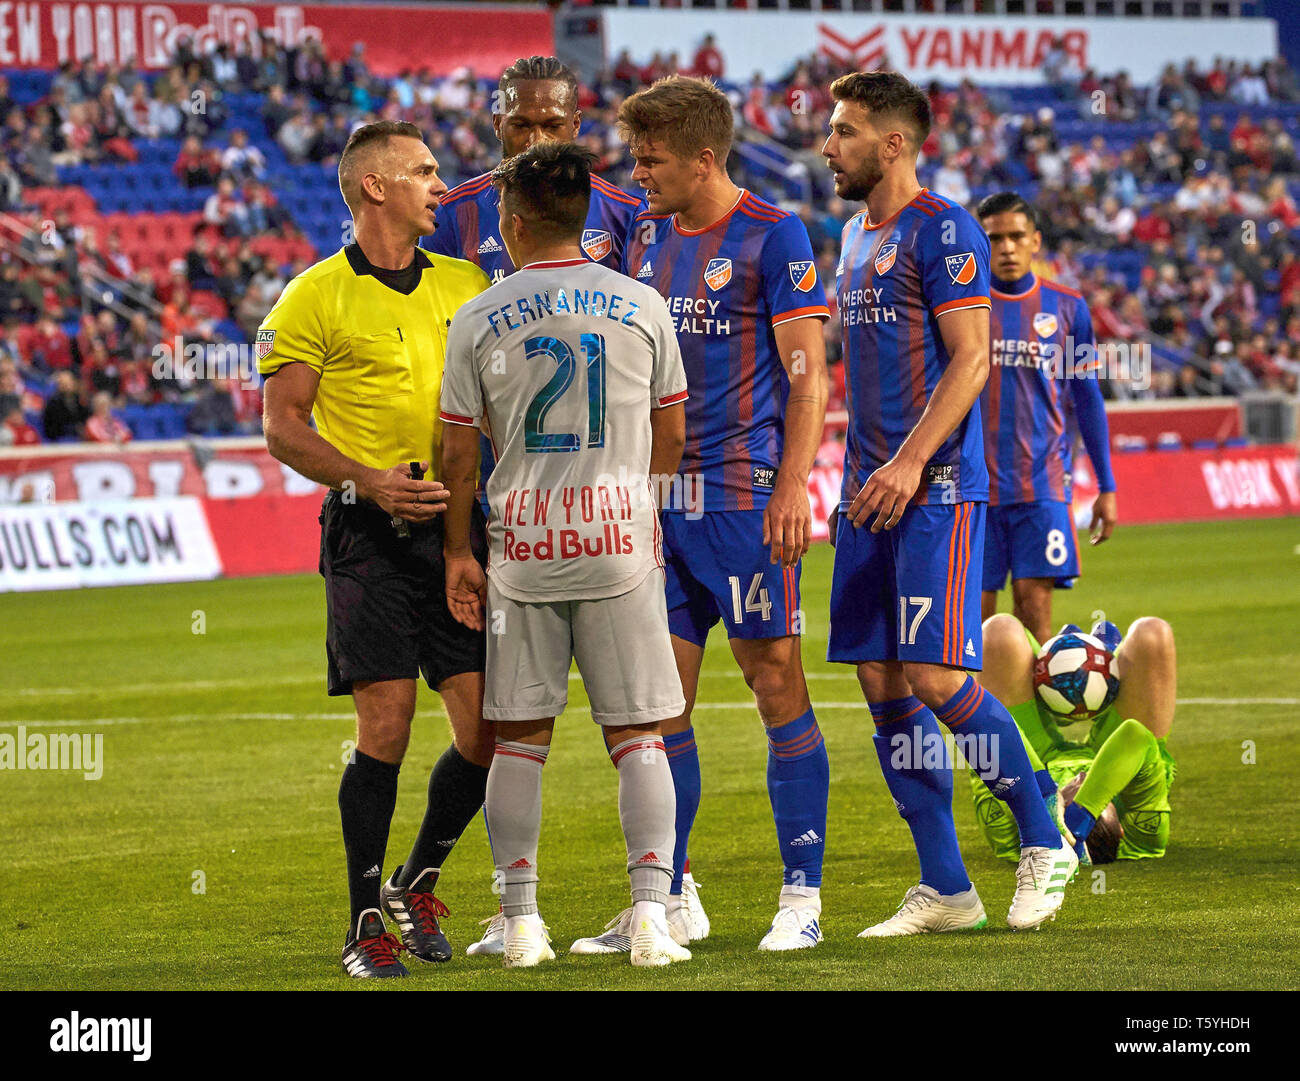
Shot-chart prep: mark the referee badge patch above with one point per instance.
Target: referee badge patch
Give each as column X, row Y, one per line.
column 1044, row 324
column 596, row 243
column 717, row 273
column 961, row 268
column 265, row 343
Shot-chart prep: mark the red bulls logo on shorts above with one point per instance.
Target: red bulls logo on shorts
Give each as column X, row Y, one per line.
column 803, row 274
column 1044, row 324
column 961, row 268
column 596, row 243
column 885, row 258
column 717, row 273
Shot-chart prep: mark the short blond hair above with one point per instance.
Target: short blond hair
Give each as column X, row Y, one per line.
column 687, row 114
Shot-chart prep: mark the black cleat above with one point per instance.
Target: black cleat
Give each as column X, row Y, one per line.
column 370, row 952
column 416, row 911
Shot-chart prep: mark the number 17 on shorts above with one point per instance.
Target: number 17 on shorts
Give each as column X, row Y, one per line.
column 908, row 594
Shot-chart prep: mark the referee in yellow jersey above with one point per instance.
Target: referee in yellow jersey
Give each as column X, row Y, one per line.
column 357, row 343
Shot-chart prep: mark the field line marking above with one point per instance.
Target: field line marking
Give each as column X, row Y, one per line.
column 746, row 705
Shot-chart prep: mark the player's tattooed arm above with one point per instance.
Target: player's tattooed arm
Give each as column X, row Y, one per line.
column 787, row 519
column 888, row 490
column 287, row 403
column 466, row 582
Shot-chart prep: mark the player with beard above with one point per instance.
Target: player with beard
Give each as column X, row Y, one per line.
column 913, row 289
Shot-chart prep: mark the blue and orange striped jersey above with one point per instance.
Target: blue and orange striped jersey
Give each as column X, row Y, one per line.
column 893, row 283
column 469, row 226
column 1041, row 341
column 727, row 287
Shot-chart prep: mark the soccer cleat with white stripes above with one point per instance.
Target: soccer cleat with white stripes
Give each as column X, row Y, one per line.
column 687, row 920
column 793, row 929
column 617, row 937
column 925, row 911
column 652, row 946
column 416, row 912
column 527, row 942
column 493, row 942
column 1041, row 879
column 370, row 952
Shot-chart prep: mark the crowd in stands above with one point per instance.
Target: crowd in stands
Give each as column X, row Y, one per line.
column 1170, row 207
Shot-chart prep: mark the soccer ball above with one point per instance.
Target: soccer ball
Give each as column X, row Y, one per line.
column 1074, row 676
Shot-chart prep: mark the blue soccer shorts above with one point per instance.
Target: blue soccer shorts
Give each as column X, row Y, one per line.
column 906, row 594
column 717, row 567
column 1030, row 540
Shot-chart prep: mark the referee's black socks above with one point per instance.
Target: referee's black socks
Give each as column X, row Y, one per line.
column 367, row 796
column 456, row 790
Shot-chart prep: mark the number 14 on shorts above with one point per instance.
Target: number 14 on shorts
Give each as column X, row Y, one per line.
column 756, row 600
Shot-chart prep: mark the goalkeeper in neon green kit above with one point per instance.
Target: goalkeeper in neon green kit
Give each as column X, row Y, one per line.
column 1108, row 781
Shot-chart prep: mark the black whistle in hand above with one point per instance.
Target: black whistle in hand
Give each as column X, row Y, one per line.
column 400, row 525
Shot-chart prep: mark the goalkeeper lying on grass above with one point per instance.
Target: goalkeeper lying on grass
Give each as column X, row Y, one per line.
column 1107, row 780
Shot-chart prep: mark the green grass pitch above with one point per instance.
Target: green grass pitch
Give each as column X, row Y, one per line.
column 208, row 855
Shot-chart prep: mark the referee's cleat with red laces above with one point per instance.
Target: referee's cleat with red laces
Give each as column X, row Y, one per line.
column 370, row 952
column 416, row 911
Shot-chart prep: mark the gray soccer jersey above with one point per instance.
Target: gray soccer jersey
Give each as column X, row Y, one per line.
column 566, row 359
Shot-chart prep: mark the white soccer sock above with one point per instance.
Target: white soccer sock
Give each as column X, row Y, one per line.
column 647, row 806
column 514, row 814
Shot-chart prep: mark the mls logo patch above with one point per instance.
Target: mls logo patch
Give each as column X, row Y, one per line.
column 265, row 343
column 596, row 243
column 1044, row 324
column 803, row 275
column 717, row 273
column 961, row 268
column 885, row 258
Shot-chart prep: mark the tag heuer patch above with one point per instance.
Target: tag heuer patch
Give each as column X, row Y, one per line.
column 717, row 273
column 265, row 343
column 961, row 268
column 1044, row 324
column 597, row 244
column 803, row 275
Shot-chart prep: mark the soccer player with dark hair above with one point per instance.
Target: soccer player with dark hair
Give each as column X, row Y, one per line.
column 1110, row 779
column 739, row 278
column 356, row 343
column 913, row 284
column 536, row 101
column 579, row 373
column 1043, row 366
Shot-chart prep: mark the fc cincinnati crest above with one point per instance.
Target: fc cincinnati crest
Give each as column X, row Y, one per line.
column 961, row 268
column 265, row 343
column 717, row 273
column 803, row 274
column 1044, row 324
column 885, row 258
column 596, row 243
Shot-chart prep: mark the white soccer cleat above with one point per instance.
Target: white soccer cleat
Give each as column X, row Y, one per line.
column 1041, row 878
column 527, row 942
column 687, row 920
column 793, row 929
column 616, row 939
column 493, row 941
column 925, row 911
column 652, row 946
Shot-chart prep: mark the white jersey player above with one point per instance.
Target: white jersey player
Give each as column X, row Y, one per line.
column 576, row 371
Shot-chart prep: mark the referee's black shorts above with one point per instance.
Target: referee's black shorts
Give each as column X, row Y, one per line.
column 386, row 601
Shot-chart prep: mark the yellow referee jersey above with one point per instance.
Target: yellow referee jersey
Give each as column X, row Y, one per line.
column 379, row 350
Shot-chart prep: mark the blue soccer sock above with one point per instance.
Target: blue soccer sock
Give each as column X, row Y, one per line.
column 1046, row 786
column 973, row 713
column 1079, row 822
column 905, row 731
column 684, row 764
column 798, row 784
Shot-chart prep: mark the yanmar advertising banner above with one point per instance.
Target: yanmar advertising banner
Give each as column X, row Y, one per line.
column 987, row 49
column 485, row 37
